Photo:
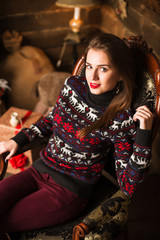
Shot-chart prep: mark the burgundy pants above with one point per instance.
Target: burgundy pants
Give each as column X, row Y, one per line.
column 30, row 200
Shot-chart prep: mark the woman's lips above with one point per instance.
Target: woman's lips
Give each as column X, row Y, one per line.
column 94, row 85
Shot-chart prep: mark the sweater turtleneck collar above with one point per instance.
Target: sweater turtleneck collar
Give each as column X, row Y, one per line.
column 101, row 100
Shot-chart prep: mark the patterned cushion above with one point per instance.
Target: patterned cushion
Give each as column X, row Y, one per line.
column 146, row 92
column 108, row 219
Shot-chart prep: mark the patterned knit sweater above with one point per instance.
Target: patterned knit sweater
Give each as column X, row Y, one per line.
column 82, row 160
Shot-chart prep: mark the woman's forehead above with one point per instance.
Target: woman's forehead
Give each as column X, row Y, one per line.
column 98, row 53
column 97, row 57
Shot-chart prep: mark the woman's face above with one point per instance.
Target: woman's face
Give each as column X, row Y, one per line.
column 101, row 75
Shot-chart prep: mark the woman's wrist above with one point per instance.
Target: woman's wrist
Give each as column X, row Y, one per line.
column 143, row 137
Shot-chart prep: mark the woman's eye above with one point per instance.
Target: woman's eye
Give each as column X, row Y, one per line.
column 103, row 69
column 88, row 67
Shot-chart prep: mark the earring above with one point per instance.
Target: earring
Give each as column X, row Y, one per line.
column 118, row 87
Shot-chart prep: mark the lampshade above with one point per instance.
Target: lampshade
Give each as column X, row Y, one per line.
column 77, row 3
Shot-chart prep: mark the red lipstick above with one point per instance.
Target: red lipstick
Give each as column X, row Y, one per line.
column 94, row 85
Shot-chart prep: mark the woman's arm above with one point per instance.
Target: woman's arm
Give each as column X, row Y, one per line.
column 43, row 127
column 133, row 152
column 40, row 129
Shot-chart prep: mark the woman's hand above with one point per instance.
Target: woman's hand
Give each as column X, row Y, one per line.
column 145, row 117
column 8, row 146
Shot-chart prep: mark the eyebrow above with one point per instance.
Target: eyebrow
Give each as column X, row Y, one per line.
column 100, row 65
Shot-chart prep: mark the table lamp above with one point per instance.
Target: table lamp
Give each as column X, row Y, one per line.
column 76, row 22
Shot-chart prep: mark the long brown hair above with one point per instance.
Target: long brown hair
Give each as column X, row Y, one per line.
column 121, row 57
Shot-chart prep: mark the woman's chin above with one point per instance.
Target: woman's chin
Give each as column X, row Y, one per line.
column 95, row 91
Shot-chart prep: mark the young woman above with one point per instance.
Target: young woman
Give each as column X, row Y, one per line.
column 91, row 114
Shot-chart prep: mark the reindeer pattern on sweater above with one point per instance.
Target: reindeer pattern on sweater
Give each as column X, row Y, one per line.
column 84, row 158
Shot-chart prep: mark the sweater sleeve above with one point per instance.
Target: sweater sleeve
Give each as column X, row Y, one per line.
column 39, row 130
column 132, row 155
column 43, row 128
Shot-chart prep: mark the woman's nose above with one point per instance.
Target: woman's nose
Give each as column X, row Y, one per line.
column 94, row 74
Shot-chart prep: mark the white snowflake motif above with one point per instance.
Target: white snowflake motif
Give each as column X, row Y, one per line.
column 50, row 115
column 104, row 134
column 132, row 131
column 62, row 103
column 120, row 134
column 137, row 149
column 146, row 152
column 68, row 111
column 93, row 134
column 82, row 121
column 75, row 117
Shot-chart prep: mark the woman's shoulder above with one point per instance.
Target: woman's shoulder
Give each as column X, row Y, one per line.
column 74, row 86
column 75, row 80
column 125, row 114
